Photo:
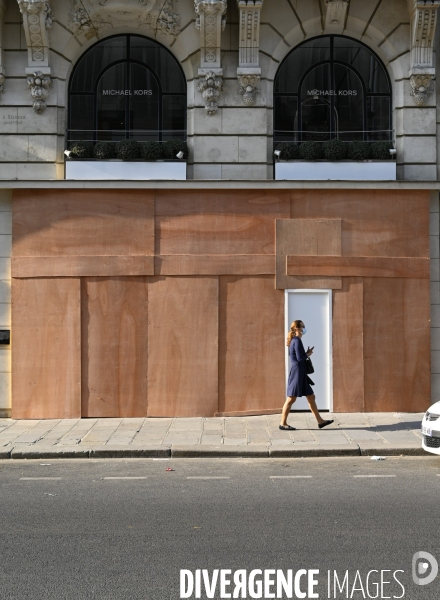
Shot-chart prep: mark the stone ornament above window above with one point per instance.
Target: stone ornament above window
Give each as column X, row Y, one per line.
column 37, row 20
column 40, row 86
column 89, row 16
column 210, row 86
column 423, row 26
column 335, row 14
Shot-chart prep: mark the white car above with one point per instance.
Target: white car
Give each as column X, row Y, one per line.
column 431, row 429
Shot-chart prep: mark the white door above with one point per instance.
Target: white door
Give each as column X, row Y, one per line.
column 314, row 308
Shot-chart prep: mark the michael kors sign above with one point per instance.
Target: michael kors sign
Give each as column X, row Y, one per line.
column 127, row 92
column 332, row 93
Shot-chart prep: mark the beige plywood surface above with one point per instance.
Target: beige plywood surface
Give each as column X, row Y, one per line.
column 397, row 345
column 183, row 346
column 82, row 266
column 251, row 345
column 46, row 362
column 215, row 264
column 358, row 266
column 375, row 222
column 114, row 347
column 302, row 237
column 83, row 222
column 216, row 222
column 348, row 355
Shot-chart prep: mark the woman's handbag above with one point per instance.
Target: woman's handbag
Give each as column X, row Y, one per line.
column 309, row 366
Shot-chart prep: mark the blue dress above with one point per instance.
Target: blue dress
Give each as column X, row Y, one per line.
column 298, row 382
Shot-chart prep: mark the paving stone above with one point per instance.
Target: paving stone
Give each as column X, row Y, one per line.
column 211, row 439
column 231, row 441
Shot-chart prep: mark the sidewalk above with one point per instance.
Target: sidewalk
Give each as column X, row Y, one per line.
column 351, row 434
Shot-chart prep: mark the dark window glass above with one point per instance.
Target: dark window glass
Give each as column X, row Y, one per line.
column 332, row 87
column 364, row 61
column 81, row 110
column 286, row 108
column 127, row 87
column 144, row 104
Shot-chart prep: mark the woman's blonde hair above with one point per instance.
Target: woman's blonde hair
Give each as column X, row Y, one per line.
column 292, row 333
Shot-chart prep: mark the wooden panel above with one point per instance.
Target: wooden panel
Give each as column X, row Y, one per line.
column 397, row 345
column 220, row 264
column 301, row 237
column 348, row 355
column 46, row 364
column 82, row 266
column 114, row 347
column 358, row 266
column 83, row 222
column 251, row 345
column 219, row 222
column 183, row 347
column 375, row 222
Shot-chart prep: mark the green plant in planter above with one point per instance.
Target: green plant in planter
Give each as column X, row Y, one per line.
column 104, row 150
column 173, row 147
column 289, row 151
column 311, row 151
column 359, row 151
column 81, row 149
column 381, row 150
column 152, row 150
column 128, row 150
column 334, row 150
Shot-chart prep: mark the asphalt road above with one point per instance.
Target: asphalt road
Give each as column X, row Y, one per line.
column 86, row 535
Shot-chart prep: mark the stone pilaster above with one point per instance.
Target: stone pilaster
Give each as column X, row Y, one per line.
column 210, row 21
column 2, row 68
column 249, row 72
column 422, row 71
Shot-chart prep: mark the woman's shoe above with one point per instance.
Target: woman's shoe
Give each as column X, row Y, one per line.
column 321, row 425
column 287, row 428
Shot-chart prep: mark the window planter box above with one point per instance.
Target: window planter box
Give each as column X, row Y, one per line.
column 342, row 170
column 129, row 170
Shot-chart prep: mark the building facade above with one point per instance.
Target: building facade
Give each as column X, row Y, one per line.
column 282, row 149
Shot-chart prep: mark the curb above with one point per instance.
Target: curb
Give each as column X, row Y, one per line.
column 257, row 451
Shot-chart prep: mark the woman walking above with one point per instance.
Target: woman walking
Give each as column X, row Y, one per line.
column 299, row 382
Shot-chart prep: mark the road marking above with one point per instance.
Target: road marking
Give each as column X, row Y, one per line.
column 39, row 478
column 124, row 478
column 208, row 477
column 373, row 475
column 291, row 476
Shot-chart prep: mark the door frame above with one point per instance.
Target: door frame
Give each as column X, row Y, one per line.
column 329, row 298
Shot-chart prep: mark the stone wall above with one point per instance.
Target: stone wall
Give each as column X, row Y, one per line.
column 236, row 141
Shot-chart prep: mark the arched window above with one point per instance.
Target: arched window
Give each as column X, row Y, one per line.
column 127, row 87
column 332, row 87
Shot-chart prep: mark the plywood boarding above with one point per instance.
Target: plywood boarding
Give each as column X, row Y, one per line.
column 83, row 222
column 183, row 346
column 251, row 345
column 375, row 222
column 366, row 266
column 46, row 363
column 82, row 266
column 219, row 222
column 396, row 345
column 306, row 237
column 348, row 356
column 114, row 347
column 215, row 264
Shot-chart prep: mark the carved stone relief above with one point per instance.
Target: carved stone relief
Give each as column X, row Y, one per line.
column 423, row 26
column 160, row 16
column 249, row 72
column 40, row 86
column 210, row 86
column 335, row 13
column 210, row 21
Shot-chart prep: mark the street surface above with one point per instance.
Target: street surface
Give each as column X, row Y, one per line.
column 123, row 529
